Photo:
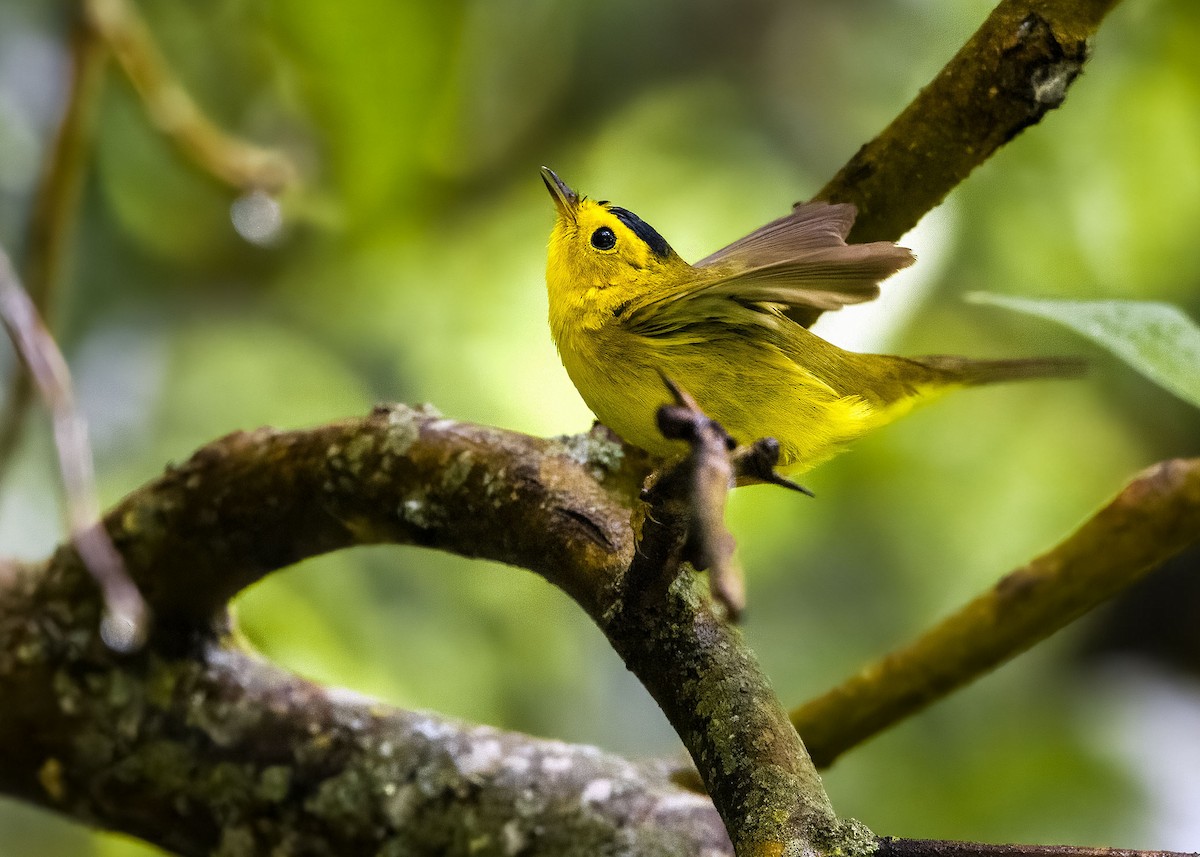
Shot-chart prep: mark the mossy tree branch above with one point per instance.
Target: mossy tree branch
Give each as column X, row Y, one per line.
column 1155, row 517
column 1014, row 69
column 197, row 745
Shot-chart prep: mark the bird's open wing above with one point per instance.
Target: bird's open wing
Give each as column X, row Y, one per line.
column 798, row 266
column 810, row 226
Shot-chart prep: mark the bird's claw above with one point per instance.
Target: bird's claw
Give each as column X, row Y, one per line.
column 755, row 464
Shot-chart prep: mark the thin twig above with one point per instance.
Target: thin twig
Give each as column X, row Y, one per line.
column 56, row 205
column 124, row 625
column 236, row 162
column 1153, row 518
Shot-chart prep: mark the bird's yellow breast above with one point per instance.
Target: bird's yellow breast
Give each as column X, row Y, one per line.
column 753, row 389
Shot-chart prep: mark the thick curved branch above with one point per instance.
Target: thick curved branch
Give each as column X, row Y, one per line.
column 254, row 502
column 1153, row 518
column 1014, row 69
column 195, row 745
column 217, row 751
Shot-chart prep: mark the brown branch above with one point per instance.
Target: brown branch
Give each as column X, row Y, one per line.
column 214, row 750
column 1014, row 69
column 253, row 502
column 1153, row 518
column 250, row 503
column 698, row 668
column 194, row 744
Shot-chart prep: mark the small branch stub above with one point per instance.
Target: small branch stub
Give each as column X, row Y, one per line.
column 705, row 477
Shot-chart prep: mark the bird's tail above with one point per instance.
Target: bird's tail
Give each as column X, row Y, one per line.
column 964, row 370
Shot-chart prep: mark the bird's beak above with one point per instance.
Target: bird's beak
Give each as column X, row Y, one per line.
column 565, row 199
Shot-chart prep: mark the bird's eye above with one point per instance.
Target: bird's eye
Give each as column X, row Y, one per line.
column 603, row 239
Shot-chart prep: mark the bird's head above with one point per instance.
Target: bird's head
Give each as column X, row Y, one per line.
column 601, row 255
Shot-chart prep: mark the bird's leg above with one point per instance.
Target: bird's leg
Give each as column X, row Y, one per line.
column 755, row 464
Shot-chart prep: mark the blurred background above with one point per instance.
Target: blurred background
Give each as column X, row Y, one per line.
column 407, row 264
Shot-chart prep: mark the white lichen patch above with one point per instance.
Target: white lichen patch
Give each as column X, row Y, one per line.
column 456, row 472
column 597, row 791
column 554, row 766
column 517, row 764
column 480, row 757
column 513, row 838
column 432, row 729
column 681, row 801
column 1050, row 83
column 403, row 430
column 358, row 449
column 346, row 697
column 593, row 449
column 418, row 511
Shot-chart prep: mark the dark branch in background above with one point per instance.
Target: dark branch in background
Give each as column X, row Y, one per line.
column 56, row 204
column 1013, row 70
column 1154, row 518
column 124, row 624
column 236, row 162
column 101, row 27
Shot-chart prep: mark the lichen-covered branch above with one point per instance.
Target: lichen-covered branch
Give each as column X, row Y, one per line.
column 696, row 665
column 1014, row 69
column 1153, row 518
column 211, row 750
column 196, row 745
column 253, row 502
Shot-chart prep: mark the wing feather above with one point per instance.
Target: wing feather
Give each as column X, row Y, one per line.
column 809, row 227
column 797, row 266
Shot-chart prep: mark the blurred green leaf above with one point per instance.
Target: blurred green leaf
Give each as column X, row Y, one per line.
column 1156, row 339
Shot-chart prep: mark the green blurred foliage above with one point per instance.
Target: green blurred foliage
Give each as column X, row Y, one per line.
column 410, row 268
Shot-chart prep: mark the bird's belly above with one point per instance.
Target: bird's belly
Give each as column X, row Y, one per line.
column 751, row 392
column 624, row 393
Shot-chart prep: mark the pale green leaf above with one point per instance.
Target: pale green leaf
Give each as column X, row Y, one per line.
column 1156, row 339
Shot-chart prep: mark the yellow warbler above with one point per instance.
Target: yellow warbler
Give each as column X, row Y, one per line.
column 732, row 330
